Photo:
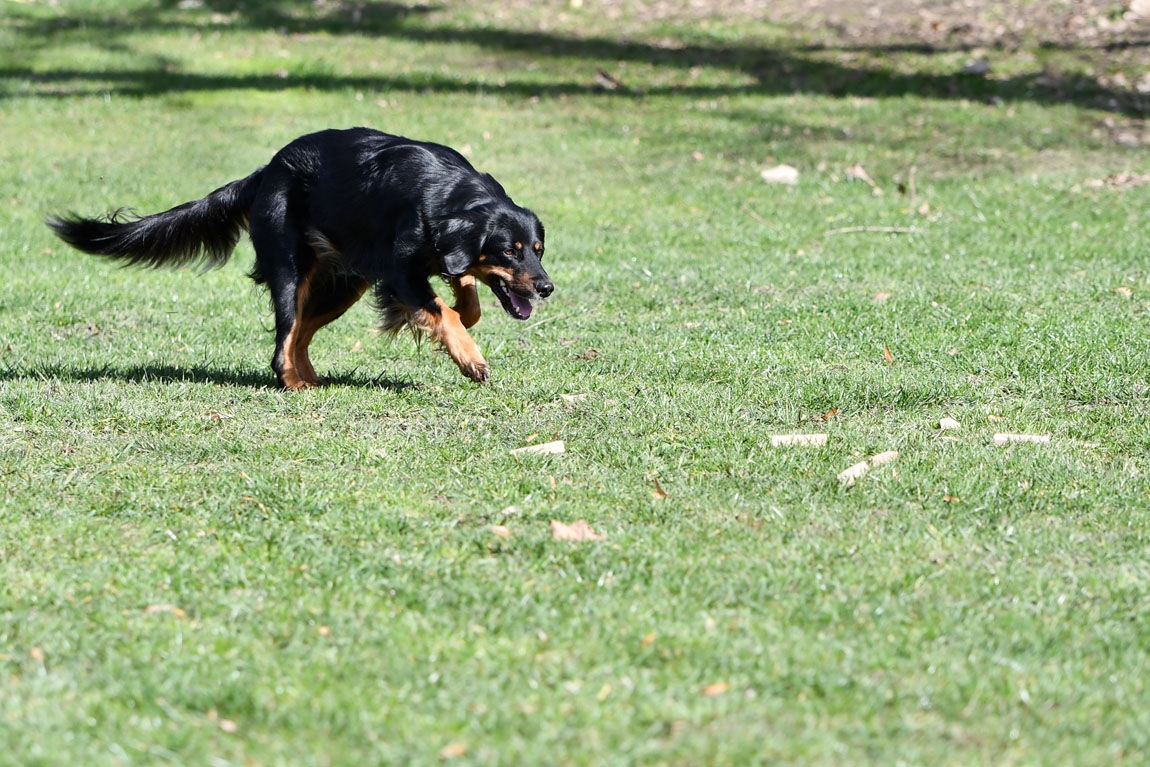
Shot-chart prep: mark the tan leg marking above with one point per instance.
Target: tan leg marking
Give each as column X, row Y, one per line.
column 466, row 299
column 307, row 326
column 446, row 328
column 296, row 377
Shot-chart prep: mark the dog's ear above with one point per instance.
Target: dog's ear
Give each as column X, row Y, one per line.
column 459, row 241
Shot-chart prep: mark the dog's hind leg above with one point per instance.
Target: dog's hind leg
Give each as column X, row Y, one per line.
column 287, row 263
column 329, row 295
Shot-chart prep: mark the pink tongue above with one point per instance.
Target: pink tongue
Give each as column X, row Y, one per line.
column 522, row 305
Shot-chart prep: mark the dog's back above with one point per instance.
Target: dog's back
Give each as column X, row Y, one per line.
column 339, row 211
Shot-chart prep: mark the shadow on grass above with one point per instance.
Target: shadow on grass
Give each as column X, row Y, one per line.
column 813, row 78
column 761, row 70
column 220, row 376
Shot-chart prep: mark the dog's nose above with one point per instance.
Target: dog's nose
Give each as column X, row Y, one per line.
column 544, row 288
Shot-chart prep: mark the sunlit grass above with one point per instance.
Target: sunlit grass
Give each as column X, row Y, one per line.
column 197, row 567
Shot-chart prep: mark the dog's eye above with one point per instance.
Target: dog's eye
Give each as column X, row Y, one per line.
column 509, row 252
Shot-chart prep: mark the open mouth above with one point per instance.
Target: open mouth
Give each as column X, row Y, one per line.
column 518, row 306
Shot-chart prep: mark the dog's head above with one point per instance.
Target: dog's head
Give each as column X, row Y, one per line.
column 502, row 246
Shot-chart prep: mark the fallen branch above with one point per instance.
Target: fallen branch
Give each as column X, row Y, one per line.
column 886, row 229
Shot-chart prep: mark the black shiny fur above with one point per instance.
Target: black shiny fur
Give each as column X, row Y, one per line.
column 337, row 209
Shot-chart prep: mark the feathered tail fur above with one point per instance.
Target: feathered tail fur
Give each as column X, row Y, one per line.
column 203, row 231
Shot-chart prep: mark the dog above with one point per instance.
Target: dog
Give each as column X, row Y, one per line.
column 340, row 211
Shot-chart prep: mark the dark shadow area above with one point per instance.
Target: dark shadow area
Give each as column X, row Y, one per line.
column 810, row 78
column 220, row 376
column 931, row 49
column 770, row 71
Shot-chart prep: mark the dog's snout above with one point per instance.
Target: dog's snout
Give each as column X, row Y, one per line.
column 544, row 287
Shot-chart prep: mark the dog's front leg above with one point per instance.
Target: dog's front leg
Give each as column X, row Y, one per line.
column 466, row 299
column 444, row 324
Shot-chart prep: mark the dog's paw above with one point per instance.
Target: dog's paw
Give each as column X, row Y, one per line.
column 298, row 384
column 476, row 371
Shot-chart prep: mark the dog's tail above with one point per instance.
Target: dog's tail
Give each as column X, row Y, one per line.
column 203, row 231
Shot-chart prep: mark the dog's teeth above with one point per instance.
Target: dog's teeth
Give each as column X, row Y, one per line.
column 522, row 305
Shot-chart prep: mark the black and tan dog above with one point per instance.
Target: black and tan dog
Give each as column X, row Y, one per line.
column 337, row 212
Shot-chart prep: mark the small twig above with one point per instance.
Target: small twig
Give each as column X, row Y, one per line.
column 886, row 229
column 760, row 219
column 537, row 323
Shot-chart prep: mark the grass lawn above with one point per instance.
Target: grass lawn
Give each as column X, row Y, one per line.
column 199, row 569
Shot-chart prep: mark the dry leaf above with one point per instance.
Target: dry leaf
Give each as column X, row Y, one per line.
column 356, row 346
column 882, row 459
column 452, row 751
column 37, row 655
column 607, row 81
column 228, row 725
column 851, row 475
column 217, row 416
column 547, row 448
column 153, row 609
column 590, row 354
column 948, row 423
column 580, row 531
column 995, row 418
column 781, row 174
column 696, row 156
column 500, row 530
column 573, row 398
column 880, row 298
column 811, row 440
column 826, row 416
column 718, row 688
column 887, row 356
column 1124, row 291
column 924, row 209
column 658, row 493
column 951, row 498
column 648, row 640
column 324, row 631
column 858, row 173
column 1006, row 439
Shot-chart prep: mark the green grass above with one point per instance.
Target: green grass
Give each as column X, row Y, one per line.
column 324, row 584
